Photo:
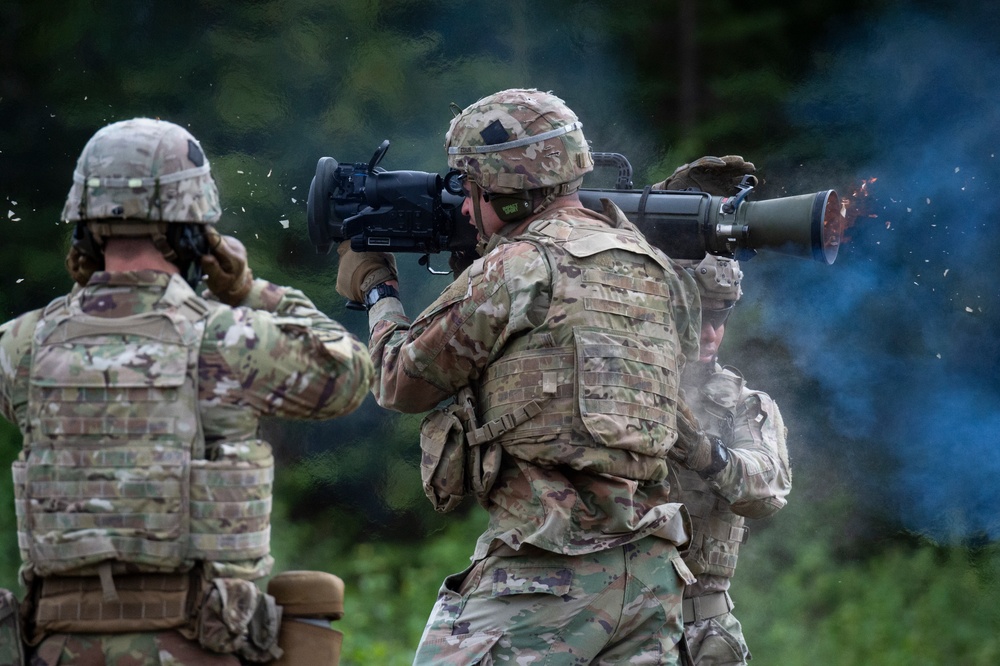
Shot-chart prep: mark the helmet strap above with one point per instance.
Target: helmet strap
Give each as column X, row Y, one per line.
column 475, row 192
column 549, row 198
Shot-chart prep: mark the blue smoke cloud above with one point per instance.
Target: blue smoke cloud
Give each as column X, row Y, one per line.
column 903, row 332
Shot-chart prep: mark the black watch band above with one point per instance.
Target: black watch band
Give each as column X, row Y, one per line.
column 720, row 458
column 378, row 292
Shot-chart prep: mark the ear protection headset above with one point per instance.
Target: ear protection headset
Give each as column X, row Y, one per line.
column 183, row 245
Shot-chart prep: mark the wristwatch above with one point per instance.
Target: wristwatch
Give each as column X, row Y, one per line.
column 720, row 458
column 378, row 292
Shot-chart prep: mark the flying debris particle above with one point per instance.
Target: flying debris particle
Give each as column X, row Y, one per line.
column 968, row 309
column 243, row 209
column 909, row 210
column 256, row 236
column 294, row 200
column 10, row 214
column 269, row 173
column 295, row 187
column 938, row 355
column 946, row 272
column 19, row 280
column 956, row 169
column 928, row 201
column 239, row 171
column 283, row 223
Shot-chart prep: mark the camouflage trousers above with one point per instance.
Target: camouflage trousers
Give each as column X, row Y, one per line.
column 162, row 648
column 717, row 641
column 619, row 606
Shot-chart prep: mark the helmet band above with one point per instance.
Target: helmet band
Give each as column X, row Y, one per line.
column 121, row 181
column 517, row 143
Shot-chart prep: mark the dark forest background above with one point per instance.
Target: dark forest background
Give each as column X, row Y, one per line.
column 884, row 364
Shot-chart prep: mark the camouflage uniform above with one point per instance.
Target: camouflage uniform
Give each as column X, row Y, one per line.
column 753, row 485
column 139, row 402
column 579, row 317
column 275, row 355
column 757, row 477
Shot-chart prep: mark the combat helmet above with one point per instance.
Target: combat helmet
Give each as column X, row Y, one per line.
column 516, row 142
column 143, row 169
column 143, row 177
column 718, row 278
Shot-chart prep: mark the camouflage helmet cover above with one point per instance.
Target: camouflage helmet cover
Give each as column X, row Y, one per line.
column 143, row 169
column 517, row 140
column 718, row 278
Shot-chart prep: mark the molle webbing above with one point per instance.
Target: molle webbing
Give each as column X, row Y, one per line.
column 146, row 602
column 230, row 509
column 706, row 606
column 114, row 465
column 533, row 376
column 717, row 532
column 601, row 369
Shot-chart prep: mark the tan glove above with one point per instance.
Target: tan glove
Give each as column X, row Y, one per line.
column 360, row 271
column 225, row 267
column 81, row 267
column 718, row 176
column 693, row 448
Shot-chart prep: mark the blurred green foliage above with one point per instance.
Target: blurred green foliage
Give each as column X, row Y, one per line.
column 270, row 86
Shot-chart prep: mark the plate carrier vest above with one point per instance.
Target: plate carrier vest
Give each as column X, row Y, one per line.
column 595, row 385
column 717, row 532
column 113, row 467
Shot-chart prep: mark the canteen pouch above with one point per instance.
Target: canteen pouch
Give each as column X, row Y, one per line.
column 237, row 618
column 443, row 455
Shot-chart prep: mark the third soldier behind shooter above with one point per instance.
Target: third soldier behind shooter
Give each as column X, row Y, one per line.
column 722, row 482
column 566, row 340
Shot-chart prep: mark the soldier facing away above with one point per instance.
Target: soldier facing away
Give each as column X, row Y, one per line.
column 567, row 337
column 143, row 491
column 722, row 484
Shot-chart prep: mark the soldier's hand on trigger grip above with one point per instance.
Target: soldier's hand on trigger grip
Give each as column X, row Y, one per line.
column 227, row 273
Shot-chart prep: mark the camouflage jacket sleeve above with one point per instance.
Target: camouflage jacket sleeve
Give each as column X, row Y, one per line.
column 279, row 354
column 450, row 344
column 15, row 359
column 687, row 314
column 758, row 477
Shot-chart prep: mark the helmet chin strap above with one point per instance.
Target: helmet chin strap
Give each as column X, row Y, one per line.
column 475, row 192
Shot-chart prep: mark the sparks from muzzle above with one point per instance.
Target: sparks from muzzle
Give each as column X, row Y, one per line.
column 854, row 206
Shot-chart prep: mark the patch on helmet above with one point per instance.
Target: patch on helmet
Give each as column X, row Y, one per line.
column 494, row 133
column 194, row 153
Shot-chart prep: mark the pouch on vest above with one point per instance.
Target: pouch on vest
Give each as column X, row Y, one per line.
column 450, row 467
column 11, row 639
column 237, row 618
column 309, row 601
